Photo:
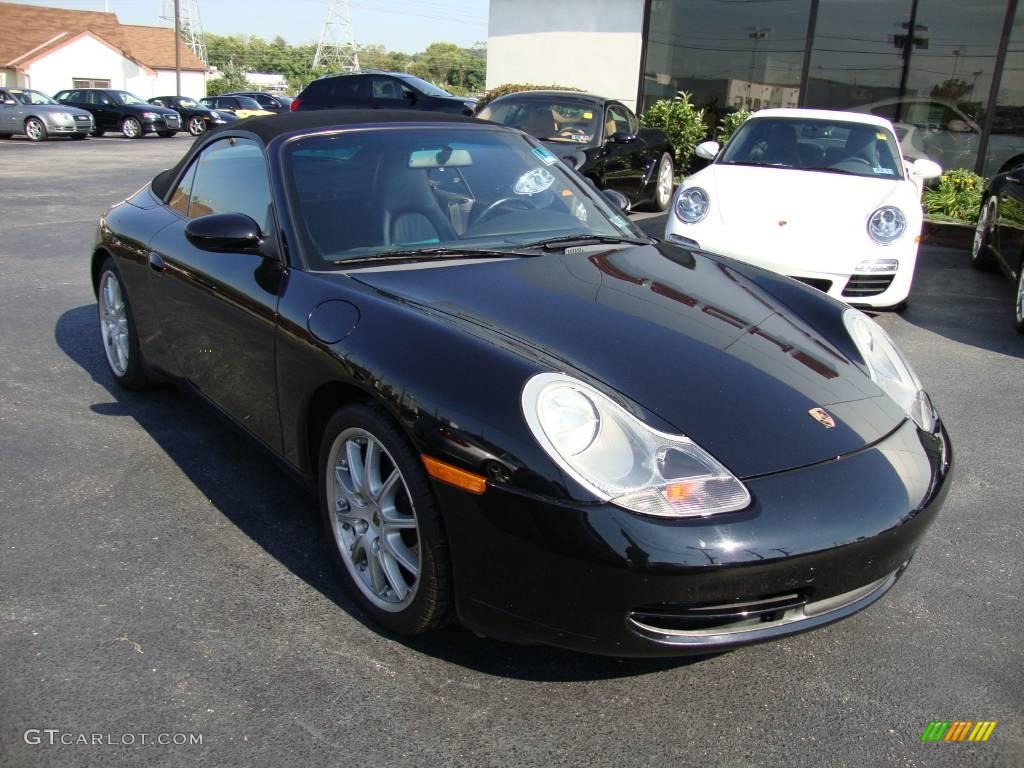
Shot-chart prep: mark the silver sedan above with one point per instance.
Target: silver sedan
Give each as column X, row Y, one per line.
column 39, row 117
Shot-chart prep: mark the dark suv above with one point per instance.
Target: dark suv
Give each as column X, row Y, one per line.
column 114, row 110
column 268, row 101
column 379, row 90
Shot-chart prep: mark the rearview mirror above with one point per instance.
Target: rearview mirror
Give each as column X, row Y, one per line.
column 707, row 150
column 926, row 169
column 225, row 233
column 617, row 199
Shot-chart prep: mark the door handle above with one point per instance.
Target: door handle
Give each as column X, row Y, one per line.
column 156, row 263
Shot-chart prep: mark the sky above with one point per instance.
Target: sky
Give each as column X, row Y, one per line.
column 400, row 25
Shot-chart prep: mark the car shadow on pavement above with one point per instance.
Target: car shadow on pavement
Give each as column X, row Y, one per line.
column 247, row 487
column 954, row 300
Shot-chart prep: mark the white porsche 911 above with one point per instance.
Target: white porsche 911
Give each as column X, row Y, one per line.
column 824, row 197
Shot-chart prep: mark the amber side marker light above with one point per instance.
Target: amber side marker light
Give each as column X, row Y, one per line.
column 460, row 478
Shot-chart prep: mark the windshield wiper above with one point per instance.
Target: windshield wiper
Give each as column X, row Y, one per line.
column 567, row 241
column 826, row 169
column 757, row 164
column 417, row 254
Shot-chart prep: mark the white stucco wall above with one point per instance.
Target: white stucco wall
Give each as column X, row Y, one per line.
column 590, row 44
column 192, row 84
column 85, row 57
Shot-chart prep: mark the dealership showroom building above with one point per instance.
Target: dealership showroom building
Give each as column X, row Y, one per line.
column 948, row 71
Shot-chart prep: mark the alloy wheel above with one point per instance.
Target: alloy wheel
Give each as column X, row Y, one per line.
column 131, row 128
column 981, row 232
column 114, row 323
column 196, row 125
column 665, row 183
column 1020, row 297
column 373, row 519
column 35, row 130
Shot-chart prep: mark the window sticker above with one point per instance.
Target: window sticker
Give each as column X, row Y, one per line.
column 533, row 182
column 880, row 135
column 546, row 156
column 580, row 211
column 883, row 171
column 588, row 115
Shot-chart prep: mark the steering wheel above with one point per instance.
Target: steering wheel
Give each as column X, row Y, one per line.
column 856, row 159
column 523, row 203
column 572, row 132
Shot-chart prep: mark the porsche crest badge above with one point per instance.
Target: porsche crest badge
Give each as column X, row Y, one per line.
column 823, row 417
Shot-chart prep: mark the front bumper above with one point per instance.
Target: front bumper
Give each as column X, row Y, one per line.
column 77, row 128
column 161, row 124
column 816, row 545
column 834, row 264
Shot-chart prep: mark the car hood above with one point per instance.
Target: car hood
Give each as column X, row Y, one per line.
column 690, row 338
column 759, row 198
column 52, row 108
column 139, row 108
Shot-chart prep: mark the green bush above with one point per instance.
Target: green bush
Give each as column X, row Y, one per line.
column 507, row 88
column 957, row 196
column 728, row 125
column 682, row 121
column 230, row 79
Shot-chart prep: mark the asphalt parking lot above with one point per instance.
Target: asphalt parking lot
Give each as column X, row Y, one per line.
column 159, row 575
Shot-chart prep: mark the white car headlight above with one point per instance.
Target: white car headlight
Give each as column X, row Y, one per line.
column 692, row 205
column 620, row 459
column 150, row 116
column 889, row 369
column 887, row 225
column 65, row 117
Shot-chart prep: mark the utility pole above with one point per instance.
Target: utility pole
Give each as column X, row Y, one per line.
column 188, row 26
column 177, row 47
column 337, row 49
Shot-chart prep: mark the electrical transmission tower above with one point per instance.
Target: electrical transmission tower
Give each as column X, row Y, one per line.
column 191, row 25
column 337, row 49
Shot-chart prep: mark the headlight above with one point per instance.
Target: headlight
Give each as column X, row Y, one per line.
column 620, row 459
column 877, row 265
column 887, row 225
column 889, row 369
column 692, row 205
column 150, row 116
column 469, row 104
column 63, row 116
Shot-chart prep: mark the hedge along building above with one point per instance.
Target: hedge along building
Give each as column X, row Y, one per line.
column 948, row 74
column 50, row 49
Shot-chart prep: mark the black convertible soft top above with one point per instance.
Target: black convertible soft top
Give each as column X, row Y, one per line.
column 269, row 127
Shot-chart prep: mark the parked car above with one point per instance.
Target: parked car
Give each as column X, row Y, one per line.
column 196, row 117
column 941, row 131
column 240, row 106
column 114, row 110
column 268, row 101
column 999, row 233
column 379, row 90
column 39, row 117
column 824, row 197
column 601, row 138
column 542, row 475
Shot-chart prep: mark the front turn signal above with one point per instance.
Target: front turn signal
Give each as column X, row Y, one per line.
column 460, row 478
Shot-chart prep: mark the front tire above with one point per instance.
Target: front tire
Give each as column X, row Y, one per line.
column 97, row 132
column 117, row 330
column 1019, row 304
column 196, row 126
column 382, row 521
column 78, row 136
column 131, row 128
column 981, row 259
column 166, row 134
column 665, row 181
column 35, row 130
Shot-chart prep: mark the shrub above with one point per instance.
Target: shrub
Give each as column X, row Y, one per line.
column 729, row 123
column 681, row 121
column 507, row 88
column 957, row 196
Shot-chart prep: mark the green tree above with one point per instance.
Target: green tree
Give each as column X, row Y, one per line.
column 230, row 79
column 681, row 121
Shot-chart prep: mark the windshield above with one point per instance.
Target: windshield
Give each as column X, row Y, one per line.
column 424, row 87
column 359, row 193
column 188, row 103
column 31, row 97
column 247, row 102
column 123, row 97
column 851, row 148
column 565, row 120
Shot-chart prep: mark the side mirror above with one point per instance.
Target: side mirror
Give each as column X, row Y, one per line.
column 707, row 150
column 617, row 199
column 926, row 169
column 225, row 233
column 410, row 96
column 622, row 137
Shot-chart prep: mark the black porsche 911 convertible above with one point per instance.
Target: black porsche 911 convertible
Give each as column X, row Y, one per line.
column 601, row 138
column 518, row 411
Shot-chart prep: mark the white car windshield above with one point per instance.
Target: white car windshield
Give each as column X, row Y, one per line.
column 360, row 193
column 32, row 97
column 805, row 144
